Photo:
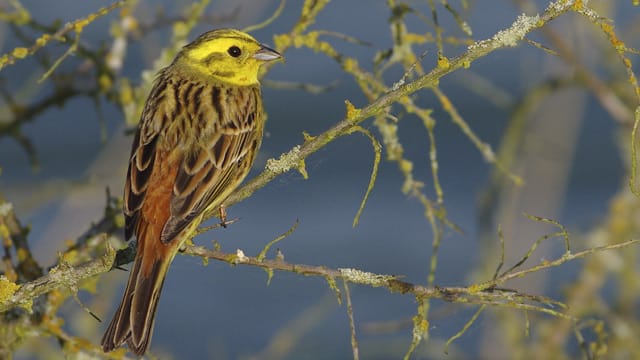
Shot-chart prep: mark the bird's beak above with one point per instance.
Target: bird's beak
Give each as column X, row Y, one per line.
column 266, row 54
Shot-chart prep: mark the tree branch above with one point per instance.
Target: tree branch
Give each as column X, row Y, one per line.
column 294, row 159
column 61, row 276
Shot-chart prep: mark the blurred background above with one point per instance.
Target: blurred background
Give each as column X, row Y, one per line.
column 559, row 118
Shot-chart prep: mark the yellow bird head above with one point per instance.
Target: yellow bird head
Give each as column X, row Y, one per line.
column 227, row 55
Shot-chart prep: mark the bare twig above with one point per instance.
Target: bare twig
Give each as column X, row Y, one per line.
column 352, row 323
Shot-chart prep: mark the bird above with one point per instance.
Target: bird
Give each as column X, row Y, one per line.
column 198, row 136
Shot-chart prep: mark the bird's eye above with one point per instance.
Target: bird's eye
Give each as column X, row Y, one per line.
column 234, row 51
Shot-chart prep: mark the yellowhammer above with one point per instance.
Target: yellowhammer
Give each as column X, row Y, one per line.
column 198, row 136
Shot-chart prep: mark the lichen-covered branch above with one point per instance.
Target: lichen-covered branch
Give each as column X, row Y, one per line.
column 61, row 276
column 294, row 158
column 75, row 26
column 65, row 276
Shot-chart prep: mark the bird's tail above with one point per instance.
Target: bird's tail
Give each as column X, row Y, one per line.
column 134, row 319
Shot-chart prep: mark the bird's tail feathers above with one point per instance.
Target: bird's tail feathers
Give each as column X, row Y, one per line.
column 133, row 321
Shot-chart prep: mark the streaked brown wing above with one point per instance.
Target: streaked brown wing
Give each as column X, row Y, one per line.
column 143, row 153
column 137, row 182
column 216, row 165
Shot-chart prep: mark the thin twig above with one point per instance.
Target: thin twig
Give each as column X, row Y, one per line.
column 352, row 323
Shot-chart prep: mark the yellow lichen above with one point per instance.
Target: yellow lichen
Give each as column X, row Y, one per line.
column 475, row 288
column 180, row 29
column 578, row 5
column 310, row 40
column 406, row 166
column 43, row 40
column 90, row 284
column 282, row 41
column 352, row 111
column 126, row 92
column 302, row 169
column 350, row 64
column 7, row 289
column 22, row 254
column 70, row 256
column 610, row 31
column 443, row 62
column 4, row 231
column 78, row 26
column 326, row 48
column 20, row 52
column 307, row 137
column 105, row 82
column 119, row 220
